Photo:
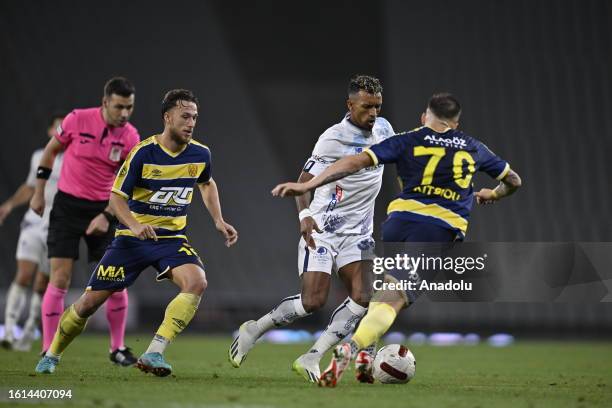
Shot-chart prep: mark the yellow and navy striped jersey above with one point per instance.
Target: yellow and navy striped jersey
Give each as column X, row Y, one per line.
column 159, row 184
column 436, row 172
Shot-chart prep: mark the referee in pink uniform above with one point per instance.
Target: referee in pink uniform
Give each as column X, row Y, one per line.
column 95, row 142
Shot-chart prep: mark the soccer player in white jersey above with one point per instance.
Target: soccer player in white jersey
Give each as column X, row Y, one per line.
column 31, row 252
column 336, row 230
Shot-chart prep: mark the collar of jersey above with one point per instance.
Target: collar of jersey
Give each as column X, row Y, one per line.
column 433, row 130
column 168, row 152
column 355, row 128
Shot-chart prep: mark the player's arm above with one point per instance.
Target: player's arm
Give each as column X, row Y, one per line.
column 507, row 186
column 307, row 222
column 340, row 169
column 22, row 196
column 119, row 205
column 210, row 196
column 52, row 149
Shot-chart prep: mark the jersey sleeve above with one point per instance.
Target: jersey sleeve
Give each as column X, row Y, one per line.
column 133, row 140
column 206, row 174
column 128, row 175
column 34, row 161
column 68, row 129
column 490, row 163
column 325, row 152
column 389, row 150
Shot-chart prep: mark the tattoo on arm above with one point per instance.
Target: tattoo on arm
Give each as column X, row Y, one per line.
column 508, row 185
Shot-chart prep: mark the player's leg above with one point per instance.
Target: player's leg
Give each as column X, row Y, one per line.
column 345, row 317
column 16, row 299
column 53, row 299
column 379, row 318
column 116, row 305
column 33, row 322
column 314, row 267
column 71, row 324
column 191, row 279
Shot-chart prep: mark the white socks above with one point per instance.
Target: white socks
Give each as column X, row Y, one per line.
column 29, row 329
column 15, row 302
column 158, row 344
column 341, row 324
column 287, row 311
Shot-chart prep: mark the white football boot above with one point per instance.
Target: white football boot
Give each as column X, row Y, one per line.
column 244, row 341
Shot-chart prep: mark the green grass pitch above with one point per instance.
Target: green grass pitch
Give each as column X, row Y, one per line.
column 527, row 374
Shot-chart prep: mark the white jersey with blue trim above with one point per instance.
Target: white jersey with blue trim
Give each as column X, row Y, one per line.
column 346, row 206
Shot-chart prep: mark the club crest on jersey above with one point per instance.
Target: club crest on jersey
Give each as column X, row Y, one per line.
column 455, row 142
column 193, row 170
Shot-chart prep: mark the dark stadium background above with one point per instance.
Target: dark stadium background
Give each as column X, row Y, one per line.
column 533, row 78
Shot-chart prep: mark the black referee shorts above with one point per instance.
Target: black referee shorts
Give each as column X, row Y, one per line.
column 70, row 216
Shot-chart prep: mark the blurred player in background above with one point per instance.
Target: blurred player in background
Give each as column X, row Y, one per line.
column 151, row 196
column 31, row 255
column 95, row 142
column 436, row 163
column 336, row 232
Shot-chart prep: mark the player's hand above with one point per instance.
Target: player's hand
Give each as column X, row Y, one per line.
column 486, row 196
column 289, row 189
column 229, row 233
column 306, row 226
column 98, row 226
column 37, row 203
column 5, row 210
column 143, row 231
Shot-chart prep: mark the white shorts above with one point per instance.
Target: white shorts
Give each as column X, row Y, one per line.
column 32, row 246
column 333, row 252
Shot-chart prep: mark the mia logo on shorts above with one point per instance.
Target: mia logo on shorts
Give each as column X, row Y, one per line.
column 110, row 273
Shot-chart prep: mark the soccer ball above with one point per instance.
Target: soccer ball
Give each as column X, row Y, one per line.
column 394, row 364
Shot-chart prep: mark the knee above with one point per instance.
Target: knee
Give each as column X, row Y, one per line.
column 313, row 302
column 197, row 285
column 60, row 278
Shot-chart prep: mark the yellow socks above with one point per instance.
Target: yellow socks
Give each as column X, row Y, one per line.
column 375, row 323
column 70, row 326
column 179, row 313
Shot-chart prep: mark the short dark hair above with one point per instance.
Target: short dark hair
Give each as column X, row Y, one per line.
column 55, row 115
column 119, row 86
column 172, row 97
column 444, row 105
column 365, row 83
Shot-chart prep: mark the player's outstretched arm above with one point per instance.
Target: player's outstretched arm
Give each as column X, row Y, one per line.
column 210, row 196
column 508, row 185
column 37, row 203
column 340, row 169
column 120, row 208
column 23, row 195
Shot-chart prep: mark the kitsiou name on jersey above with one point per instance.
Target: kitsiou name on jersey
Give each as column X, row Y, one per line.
column 455, row 142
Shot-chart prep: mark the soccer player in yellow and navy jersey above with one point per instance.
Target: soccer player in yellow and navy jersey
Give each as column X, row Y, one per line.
column 435, row 163
column 151, row 195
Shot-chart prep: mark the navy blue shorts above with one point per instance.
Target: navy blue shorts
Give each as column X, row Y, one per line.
column 126, row 257
column 397, row 229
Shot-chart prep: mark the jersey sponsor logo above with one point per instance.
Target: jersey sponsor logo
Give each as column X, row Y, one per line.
column 110, row 273
column 156, row 173
column 180, row 195
column 321, row 250
column 455, row 142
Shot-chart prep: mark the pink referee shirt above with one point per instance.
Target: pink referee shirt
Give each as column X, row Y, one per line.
column 93, row 153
